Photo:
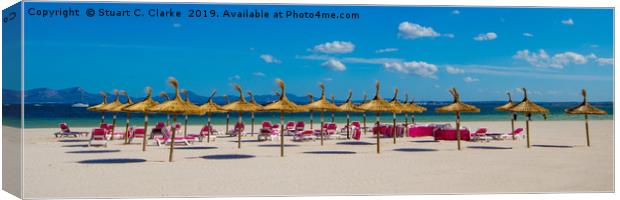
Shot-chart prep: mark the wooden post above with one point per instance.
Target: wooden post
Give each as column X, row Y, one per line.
column 377, row 133
column 512, row 125
column 252, row 133
column 102, row 117
column 172, row 139
column 239, row 133
column 168, row 120
column 333, row 117
column 364, row 115
column 185, row 127
column 412, row 119
column 527, row 128
column 209, row 125
column 322, row 123
column 113, row 126
column 281, row 133
column 146, row 125
column 127, row 129
column 406, row 131
column 311, row 120
column 394, row 127
column 587, row 131
column 458, row 131
column 227, row 121
column 348, row 127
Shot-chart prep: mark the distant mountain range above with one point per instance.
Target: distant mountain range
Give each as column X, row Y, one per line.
column 80, row 95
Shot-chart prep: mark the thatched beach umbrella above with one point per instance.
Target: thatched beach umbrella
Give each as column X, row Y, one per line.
column 378, row 105
column 167, row 98
column 457, row 107
column 283, row 105
column 311, row 113
column 194, row 110
column 174, row 107
column 99, row 107
column 110, row 107
column 400, row 108
column 527, row 107
column 211, row 107
column 260, row 107
column 507, row 107
column 120, row 109
column 349, row 107
column 585, row 109
column 240, row 106
column 322, row 105
column 415, row 108
column 142, row 107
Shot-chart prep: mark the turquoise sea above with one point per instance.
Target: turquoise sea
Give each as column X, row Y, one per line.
column 49, row 115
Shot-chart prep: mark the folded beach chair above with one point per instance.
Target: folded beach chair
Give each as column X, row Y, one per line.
column 300, row 126
column 480, row 135
column 66, row 132
column 203, row 133
column 357, row 133
column 98, row 135
column 352, row 125
column 289, row 129
column 167, row 139
column 158, row 130
column 238, row 129
column 331, row 132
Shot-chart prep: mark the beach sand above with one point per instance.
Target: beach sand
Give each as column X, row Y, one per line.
column 559, row 161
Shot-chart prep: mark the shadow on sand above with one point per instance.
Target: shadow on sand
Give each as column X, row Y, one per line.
column 330, row 152
column 488, row 147
column 75, row 145
column 112, row 161
column 76, row 140
column 414, row 150
column 195, row 148
column 243, row 141
column 96, row 151
column 227, row 156
column 355, row 143
column 425, row 141
column 552, row 146
column 277, row 145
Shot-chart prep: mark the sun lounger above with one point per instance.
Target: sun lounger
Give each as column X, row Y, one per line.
column 289, row 129
column 268, row 131
column 504, row 136
column 480, row 135
column 450, row 134
column 331, row 132
column 304, row 135
column 66, row 132
column 98, row 135
column 136, row 133
column 238, row 129
column 203, row 134
column 167, row 139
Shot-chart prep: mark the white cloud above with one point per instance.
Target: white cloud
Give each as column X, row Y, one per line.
column 386, row 50
column 334, row 64
column 270, row 59
column 469, row 79
column 259, row 74
column 486, row 36
column 334, row 47
column 568, row 21
column 412, row 31
column 454, row 70
column 542, row 59
column 235, row 77
column 414, row 67
column 456, row 12
column 528, row 35
column 351, row 59
column 605, row 61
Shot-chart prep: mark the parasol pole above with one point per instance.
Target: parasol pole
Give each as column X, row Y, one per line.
column 377, row 133
column 185, row 127
column 364, row 115
column 394, row 127
column 168, row 120
column 587, row 130
column 113, row 126
column 458, row 130
column 322, row 124
column 281, row 134
column 527, row 127
column 333, row 112
column 127, row 128
column 252, row 133
column 172, row 139
column 311, row 119
column 412, row 119
column 239, row 133
column 348, row 127
column 227, row 121
column 210, row 128
column 512, row 125
column 102, row 117
column 146, row 125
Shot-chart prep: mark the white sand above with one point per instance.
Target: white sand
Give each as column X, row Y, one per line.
column 52, row 171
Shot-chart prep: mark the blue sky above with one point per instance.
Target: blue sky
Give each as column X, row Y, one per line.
column 423, row 51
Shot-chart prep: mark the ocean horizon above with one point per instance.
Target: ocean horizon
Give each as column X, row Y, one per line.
column 50, row 115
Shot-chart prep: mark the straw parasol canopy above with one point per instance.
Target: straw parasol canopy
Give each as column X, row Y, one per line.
column 349, row 107
column 241, row 106
column 457, row 107
column 99, row 107
column 400, row 107
column 211, row 107
column 166, row 98
column 253, row 101
column 414, row 108
column 110, row 108
column 378, row 105
column 175, row 107
column 506, row 107
column 194, row 110
column 283, row 105
column 120, row 109
column 585, row 109
column 527, row 107
column 143, row 107
column 322, row 105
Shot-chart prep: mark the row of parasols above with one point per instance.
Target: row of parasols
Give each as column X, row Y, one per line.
column 179, row 106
